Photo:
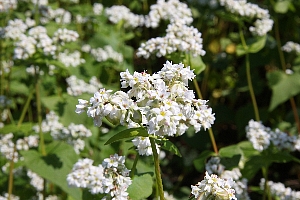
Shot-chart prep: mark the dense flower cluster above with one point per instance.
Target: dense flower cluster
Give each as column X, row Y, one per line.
column 262, row 137
column 279, row 191
column 291, row 46
column 6, row 5
column 77, row 86
column 9, row 149
column 116, row 14
column 263, row 23
column 105, row 53
column 73, row 134
column 70, row 59
column 35, row 180
column 143, row 146
column 111, row 177
column 161, row 102
column 97, row 8
column 172, row 10
column 179, row 37
column 213, row 187
column 240, row 185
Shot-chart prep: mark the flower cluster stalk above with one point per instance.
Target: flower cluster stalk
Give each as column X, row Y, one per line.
column 157, row 170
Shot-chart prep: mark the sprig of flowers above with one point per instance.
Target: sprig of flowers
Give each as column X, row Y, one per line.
column 291, row 46
column 213, row 187
column 110, row 178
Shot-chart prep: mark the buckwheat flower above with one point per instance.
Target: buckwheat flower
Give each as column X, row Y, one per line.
column 171, row 10
column 30, row 22
column 291, row 46
column 61, row 16
column 12, row 197
column 110, row 178
column 116, row 14
column 32, row 70
column 35, row 180
column 25, row 47
column 279, row 190
column 213, row 166
column 40, row 2
column 6, row 66
column 258, row 135
column 106, row 53
column 6, row 5
column 179, row 37
column 143, row 146
column 15, row 29
column 64, row 35
column 213, row 187
column 261, row 26
column 70, row 59
column 7, row 147
column 97, row 8
column 77, row 87
column 86, row 48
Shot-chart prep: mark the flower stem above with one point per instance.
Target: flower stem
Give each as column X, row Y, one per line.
column 157, row 170
column 134, row 165
column 39, row 114
column 245, row 46
column 266, row 194
column 25, row 108
column 11, row 175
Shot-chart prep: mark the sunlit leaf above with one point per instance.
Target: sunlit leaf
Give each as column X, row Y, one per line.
column 169, row 146
column 254, row 45
column 141, row 187
column 128, row 133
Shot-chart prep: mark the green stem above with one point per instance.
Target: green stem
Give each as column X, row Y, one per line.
column 11, row 175
column 25, row 108
column 157, row 169
column 134, row 165
column 266, row 194
column 257, row 118
column 39, row 114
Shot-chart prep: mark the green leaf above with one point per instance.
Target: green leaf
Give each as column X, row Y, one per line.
column 199, row 162
column 197, row 64
column 25, row 127
column 283, row 87
column 132, row 132
column 169, row 146
column 18, row 88
column 55, row 166
column 254, row 45
column 282, row 6
column 141, row 187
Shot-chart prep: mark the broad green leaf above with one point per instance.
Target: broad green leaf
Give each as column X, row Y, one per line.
column 254, row 45
column 199, row 162
column 128, row 133
column 17, row 87
column 283, row 87
column 25, row 127
column 141, row 187
column 282, row 6
column 55, row 166
column 197, row 64
column 169, row 146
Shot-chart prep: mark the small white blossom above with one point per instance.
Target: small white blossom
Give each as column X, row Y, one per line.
column 291, row 46
column 106, row 53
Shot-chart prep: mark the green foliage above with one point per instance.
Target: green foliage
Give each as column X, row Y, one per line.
column 141, row 187
column 128, row 133
column 254, row 45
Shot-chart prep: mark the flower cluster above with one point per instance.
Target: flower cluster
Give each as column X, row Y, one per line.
column 64, row 35
column 110, row 178
column 6, row 5
column 97, row 8
column 179, row 37
column 172, row 10
column 12, row 197
column 143, row 146
column 35, row 180
column 263, row 23
column 240, row 185
column 9, row 149
column 70, row 59
column 77, row 86
column 73, row 134
column 262, row 137
column 161, row 102
column 116, row 14
column 279, row 191
column 213, row 187
column 291, row 46
column 105, row 53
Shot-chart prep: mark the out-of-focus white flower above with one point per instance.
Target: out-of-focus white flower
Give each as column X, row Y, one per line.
column 110, row 178
column 214, row 187
column 25, row 47
column 261, row 26
column 116, row 14
column 279, row 191
column 97, row 8
column 106, row 53
column 77, row 87
column 6, row 5
column 64, row 35
column 291, row 46
column 70, row 59
column 15, row 29
column 171, row 10
column 261, row 137
column 12, row 197
column 179, row 37
column 36, row 181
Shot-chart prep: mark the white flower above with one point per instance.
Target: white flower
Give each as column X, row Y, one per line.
column 291, row 46
column 70, row 59
column 106, row 53
column 97, row 8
